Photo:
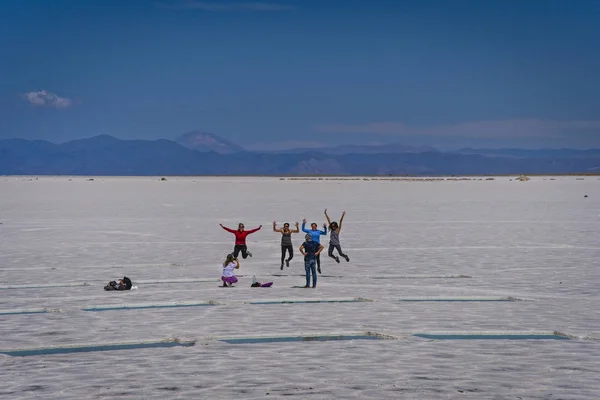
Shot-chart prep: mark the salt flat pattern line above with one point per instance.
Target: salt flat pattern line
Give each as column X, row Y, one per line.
column 96, row 267
column 289, row 337
column 139, row 306
column 59, row 285
column 310, row 300
column 94, row 347
column 18, row 311
column 271, row 301
column 459, row 299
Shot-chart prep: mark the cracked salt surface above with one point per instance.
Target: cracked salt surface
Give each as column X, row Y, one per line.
column 532, row 242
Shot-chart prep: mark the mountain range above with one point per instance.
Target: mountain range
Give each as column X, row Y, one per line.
column 200, row 153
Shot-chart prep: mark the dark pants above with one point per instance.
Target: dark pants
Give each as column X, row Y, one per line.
column 338, row 248
column 240, row 247
column 290, row 250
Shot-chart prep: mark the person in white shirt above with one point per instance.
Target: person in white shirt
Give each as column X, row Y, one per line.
column 231, row 263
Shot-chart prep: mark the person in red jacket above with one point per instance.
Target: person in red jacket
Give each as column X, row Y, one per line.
column 240, row 239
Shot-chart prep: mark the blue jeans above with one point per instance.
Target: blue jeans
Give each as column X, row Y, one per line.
column 310, row 265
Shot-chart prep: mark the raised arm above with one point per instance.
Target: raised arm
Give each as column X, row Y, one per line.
column 275, row 227
column 237, row 264
column 227, row 229
column 341, row 219
column 254, row 230
column 297, row 228
column 304, row 227
column 324, row 231
column 327, row 216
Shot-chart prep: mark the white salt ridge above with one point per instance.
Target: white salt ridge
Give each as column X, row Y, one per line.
column 182, row 280
column 265, row 301
column 45, row 285
column 59, row 285
column 96, row 267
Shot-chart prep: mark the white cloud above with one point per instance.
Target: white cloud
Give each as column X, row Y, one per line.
column 43, row 98
column 474, row 129
column 226, row 6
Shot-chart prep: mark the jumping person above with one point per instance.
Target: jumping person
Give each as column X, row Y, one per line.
column 310, row 250
column 240, row 240
column 286, row 241
column 316, row 237
column 334, row 238
column 231, row 263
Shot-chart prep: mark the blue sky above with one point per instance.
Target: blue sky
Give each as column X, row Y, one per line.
column 287, row 73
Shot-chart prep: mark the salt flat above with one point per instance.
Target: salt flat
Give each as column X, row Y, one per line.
column 456, row 244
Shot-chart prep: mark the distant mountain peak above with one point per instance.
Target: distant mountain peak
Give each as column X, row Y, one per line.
column 206, row 142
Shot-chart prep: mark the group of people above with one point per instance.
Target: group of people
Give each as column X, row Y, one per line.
column 311, row 248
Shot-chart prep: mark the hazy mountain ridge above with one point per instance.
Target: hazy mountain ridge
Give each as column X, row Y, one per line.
column 207, row 142
column 106, row 155
column 362, row 149
column 524, row 153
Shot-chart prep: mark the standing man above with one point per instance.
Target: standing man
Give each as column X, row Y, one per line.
column 240, row 239
column 310, row 250
column 316, row 237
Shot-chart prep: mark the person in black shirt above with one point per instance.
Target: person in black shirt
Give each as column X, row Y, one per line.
column 310, row 250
